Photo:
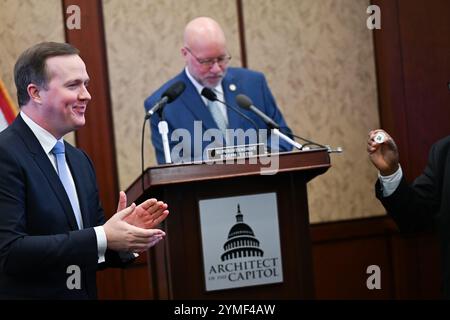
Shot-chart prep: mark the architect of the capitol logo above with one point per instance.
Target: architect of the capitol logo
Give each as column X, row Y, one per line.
column 241, row 242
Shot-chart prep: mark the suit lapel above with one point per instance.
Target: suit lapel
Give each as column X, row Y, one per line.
column 231, row 88
column 43, row 162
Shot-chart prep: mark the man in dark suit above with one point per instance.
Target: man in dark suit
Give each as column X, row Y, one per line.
column 206, row 59
column 423, row 204
column 53, row 234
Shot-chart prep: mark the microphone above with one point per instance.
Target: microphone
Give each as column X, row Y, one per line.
column 167, row 97
column 211, row 96
column 245, row 102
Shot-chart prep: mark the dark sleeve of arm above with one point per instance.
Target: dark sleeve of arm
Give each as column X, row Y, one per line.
column 414, row 207
column 112, row 258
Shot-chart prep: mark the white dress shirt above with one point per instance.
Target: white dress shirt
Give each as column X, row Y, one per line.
column 391, row 182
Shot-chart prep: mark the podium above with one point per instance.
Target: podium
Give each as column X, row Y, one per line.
column 177, row 265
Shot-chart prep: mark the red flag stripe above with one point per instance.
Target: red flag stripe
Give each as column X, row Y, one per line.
column 7, row 106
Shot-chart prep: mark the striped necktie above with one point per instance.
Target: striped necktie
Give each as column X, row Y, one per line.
column 218, row 116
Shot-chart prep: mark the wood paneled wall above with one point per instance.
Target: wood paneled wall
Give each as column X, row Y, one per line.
column 342, row 251
column 412, row 52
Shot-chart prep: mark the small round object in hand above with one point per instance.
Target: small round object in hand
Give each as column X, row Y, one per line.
column 380, row 137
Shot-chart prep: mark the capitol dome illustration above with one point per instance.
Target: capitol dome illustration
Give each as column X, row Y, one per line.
column 241, row 241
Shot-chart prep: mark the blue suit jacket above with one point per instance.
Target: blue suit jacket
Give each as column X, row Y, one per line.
column 189, row 107
column 39, row 236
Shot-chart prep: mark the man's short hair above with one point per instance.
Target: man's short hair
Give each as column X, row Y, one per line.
column 31, row 66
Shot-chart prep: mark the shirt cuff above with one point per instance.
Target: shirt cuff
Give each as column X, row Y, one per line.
column 391, row 182
column 102, row 243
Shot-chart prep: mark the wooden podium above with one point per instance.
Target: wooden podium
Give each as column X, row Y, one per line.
column 176, row 263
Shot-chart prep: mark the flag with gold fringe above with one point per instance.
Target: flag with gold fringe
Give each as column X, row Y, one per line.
column 8, row 110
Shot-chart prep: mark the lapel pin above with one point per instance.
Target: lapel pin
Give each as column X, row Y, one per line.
column 232, row 87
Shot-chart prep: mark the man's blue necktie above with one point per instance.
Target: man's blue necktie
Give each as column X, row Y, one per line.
column 64, row 176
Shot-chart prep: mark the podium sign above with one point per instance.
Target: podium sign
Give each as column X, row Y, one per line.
column 236, row 152
column 240, row 241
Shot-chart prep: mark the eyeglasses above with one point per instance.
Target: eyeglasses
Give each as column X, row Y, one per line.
column 209, row 63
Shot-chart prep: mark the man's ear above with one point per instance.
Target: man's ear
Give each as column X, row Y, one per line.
column 34, row 93
column 184, row 53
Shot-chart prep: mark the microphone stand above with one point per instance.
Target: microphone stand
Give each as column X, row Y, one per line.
column 245, row 117
column 163, row 129
column 212, row 96
column 287, row 139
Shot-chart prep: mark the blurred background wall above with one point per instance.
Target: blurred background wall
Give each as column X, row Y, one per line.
column 22, row 24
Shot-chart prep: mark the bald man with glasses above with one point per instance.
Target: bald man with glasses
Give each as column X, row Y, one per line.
column 207, row 66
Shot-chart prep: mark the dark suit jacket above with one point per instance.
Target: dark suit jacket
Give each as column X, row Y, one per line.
column 189, row 107
column 39, row 237
column 426, row 202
